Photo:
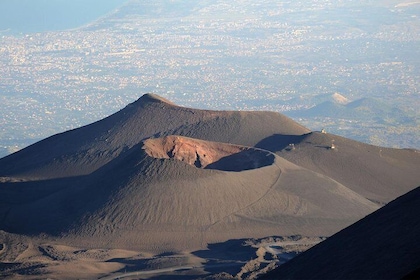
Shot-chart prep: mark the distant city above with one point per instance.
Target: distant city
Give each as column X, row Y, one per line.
column 287, row 57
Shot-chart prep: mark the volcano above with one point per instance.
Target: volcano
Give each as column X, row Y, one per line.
column 157, row 178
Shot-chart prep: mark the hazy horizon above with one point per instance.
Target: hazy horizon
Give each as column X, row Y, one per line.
column 285, row 57
column 31, row 16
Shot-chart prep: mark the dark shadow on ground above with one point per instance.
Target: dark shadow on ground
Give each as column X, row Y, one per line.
column 234, row 249
column 413, row 275
column 8, row 269
column 162, row 261
column 23, row 210
column 278, row 142
column 130, row 265
column 177, row 277
column 244, row 160
column 228, row 256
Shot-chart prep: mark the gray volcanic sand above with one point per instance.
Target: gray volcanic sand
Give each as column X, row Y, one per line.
column 377, row 173
column 152, row 204
column 84, row 150
column 154, row 183
column 384, row 245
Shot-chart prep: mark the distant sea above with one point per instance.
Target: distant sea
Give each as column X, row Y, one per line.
column 32, row 16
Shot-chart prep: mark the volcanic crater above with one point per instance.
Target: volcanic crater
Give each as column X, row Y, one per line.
column 208, row 155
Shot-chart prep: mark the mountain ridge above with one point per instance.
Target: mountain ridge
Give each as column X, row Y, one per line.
column 360, row 109
column 140, row 193
column 157, row 179
column 83, row 150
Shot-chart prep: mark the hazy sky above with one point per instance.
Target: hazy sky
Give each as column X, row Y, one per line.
column 41, row 15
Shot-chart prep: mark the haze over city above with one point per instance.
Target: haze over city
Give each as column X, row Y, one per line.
column 238, row 55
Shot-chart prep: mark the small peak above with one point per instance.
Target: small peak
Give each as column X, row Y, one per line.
column 151, row 97
column 340, row 99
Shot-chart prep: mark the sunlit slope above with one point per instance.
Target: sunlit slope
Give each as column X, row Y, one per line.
column 158, row 204
column 156, row 176
column 380, row 174
column 85, row 149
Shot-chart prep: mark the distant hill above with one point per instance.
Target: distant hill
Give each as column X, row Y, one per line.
column 384, row 245
column 379, row 174
column 361, row 109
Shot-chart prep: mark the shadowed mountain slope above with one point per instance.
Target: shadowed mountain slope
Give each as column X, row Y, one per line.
column 158, row 176
column 159, row 204
column 156, row 179
column 379, row 174
column 84, row 150
column 384, row 245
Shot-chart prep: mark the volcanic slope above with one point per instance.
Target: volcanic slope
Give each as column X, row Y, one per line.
column 377, row 173
column 84, row 150
column 175, row 193
column 159, row 178
column 384, row 245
